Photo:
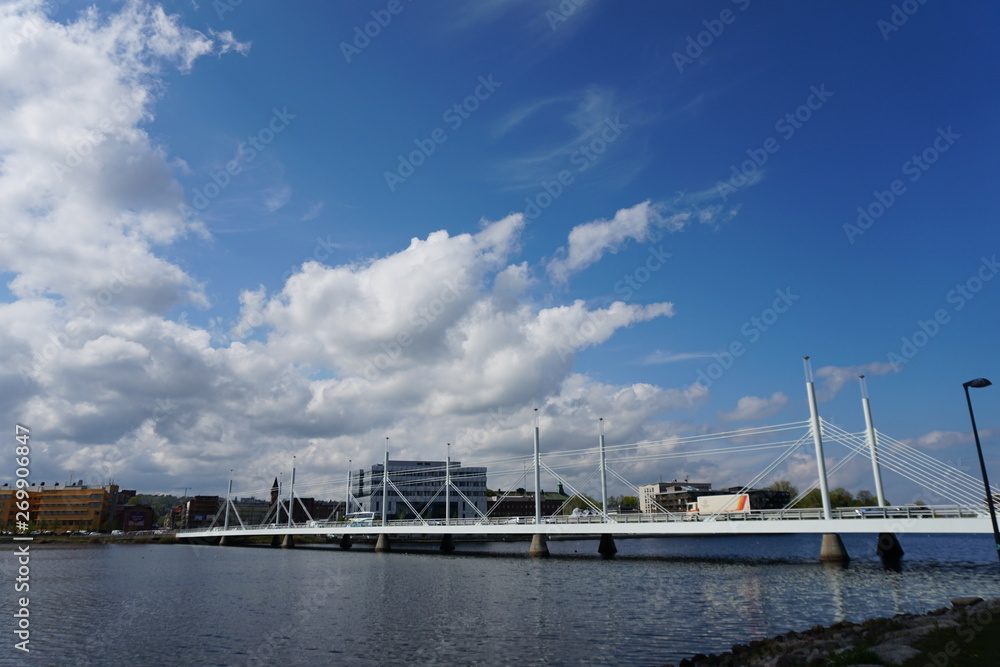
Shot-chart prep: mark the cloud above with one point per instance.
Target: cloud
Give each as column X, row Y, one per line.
column 661, row 357
column 590, row 241
column 754, row 408
column 944, row 439
column 276, row 197
column 228, row 42
column 313, row 211
column 835, row 377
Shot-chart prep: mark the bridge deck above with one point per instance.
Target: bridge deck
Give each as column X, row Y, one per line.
column 951, row 520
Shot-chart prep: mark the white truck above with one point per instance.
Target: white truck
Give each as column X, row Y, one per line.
column 728, row 503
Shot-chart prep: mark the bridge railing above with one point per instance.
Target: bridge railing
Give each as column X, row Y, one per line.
column 915, row 512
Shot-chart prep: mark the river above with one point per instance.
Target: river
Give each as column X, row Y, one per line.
column 658, row 601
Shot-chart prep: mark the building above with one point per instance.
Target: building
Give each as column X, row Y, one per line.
column 137, row 517
column 198, row 512
column 676, row 496
column 420, row 485
column 74, row 507
column 670, row 496
column 522, row 503
column 252, row 511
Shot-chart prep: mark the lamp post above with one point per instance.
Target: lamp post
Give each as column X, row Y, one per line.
column 976, row 384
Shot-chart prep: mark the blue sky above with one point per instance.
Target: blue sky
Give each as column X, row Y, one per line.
column 282, row 194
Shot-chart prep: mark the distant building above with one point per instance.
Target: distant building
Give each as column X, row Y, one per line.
column 670, row 496
column 522, row 503
column 74, row 507
column 421, row 484
column 252, row 511
column 676, row 496
column 199, row 511
column 137, row 517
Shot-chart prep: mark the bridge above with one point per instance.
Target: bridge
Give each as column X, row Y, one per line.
column 963, row 509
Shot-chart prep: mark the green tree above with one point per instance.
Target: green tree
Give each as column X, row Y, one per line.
column 865, row 498
column 811, row 499
column 841, row 497
column 580, row 501
column 784, row 485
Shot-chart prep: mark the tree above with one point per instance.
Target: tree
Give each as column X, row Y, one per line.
column 811, row 499
column 580, row 501
column 865, row 498
column 784, row 485
column 841, row 497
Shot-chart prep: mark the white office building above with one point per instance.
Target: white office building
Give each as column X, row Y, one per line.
column 422, row 484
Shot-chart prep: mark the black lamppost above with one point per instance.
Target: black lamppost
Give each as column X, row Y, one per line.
column 978, row 383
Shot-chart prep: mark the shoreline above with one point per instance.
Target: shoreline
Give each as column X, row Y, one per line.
column 936, row 637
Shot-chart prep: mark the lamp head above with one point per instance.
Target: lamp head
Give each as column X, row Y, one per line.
column 977, row 383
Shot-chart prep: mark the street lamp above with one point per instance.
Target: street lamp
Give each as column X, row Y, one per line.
column 976, row 384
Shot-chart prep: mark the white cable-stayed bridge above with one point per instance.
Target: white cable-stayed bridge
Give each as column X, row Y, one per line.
column 959, row 505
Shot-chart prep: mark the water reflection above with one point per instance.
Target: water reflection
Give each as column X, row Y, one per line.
column 656, row 602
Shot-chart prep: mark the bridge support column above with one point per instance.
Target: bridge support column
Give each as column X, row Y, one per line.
column 447, row 543
column 833, row 550
column 383, row 543
column 607, row 546
column 889, row 549
column 276, row 541
column 223, row 541
column 539, row 547
column 288, row 542
column 345, row 542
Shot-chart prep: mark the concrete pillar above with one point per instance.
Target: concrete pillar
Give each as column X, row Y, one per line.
column 288, row 542
column 345, row 542
column 539, row 548
column 383, row 543
column 447, row 543
column 223, row 541
column 889, row 549
column 833, row 550
column 276, row 541
column 607, row 546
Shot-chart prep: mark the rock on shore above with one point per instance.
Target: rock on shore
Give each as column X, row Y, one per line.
column 886, row 641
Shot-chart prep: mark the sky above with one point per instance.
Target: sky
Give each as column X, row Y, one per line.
column 235, row 233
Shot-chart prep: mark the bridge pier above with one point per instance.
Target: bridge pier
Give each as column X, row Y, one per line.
column 223, row 541
column 345, row 542
column 539, row 547
column 832, row 550
column 383, row 543
column 288, row 542
column 607, row 546
column 447, row 543
column 889, row 550
column 276, row 541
